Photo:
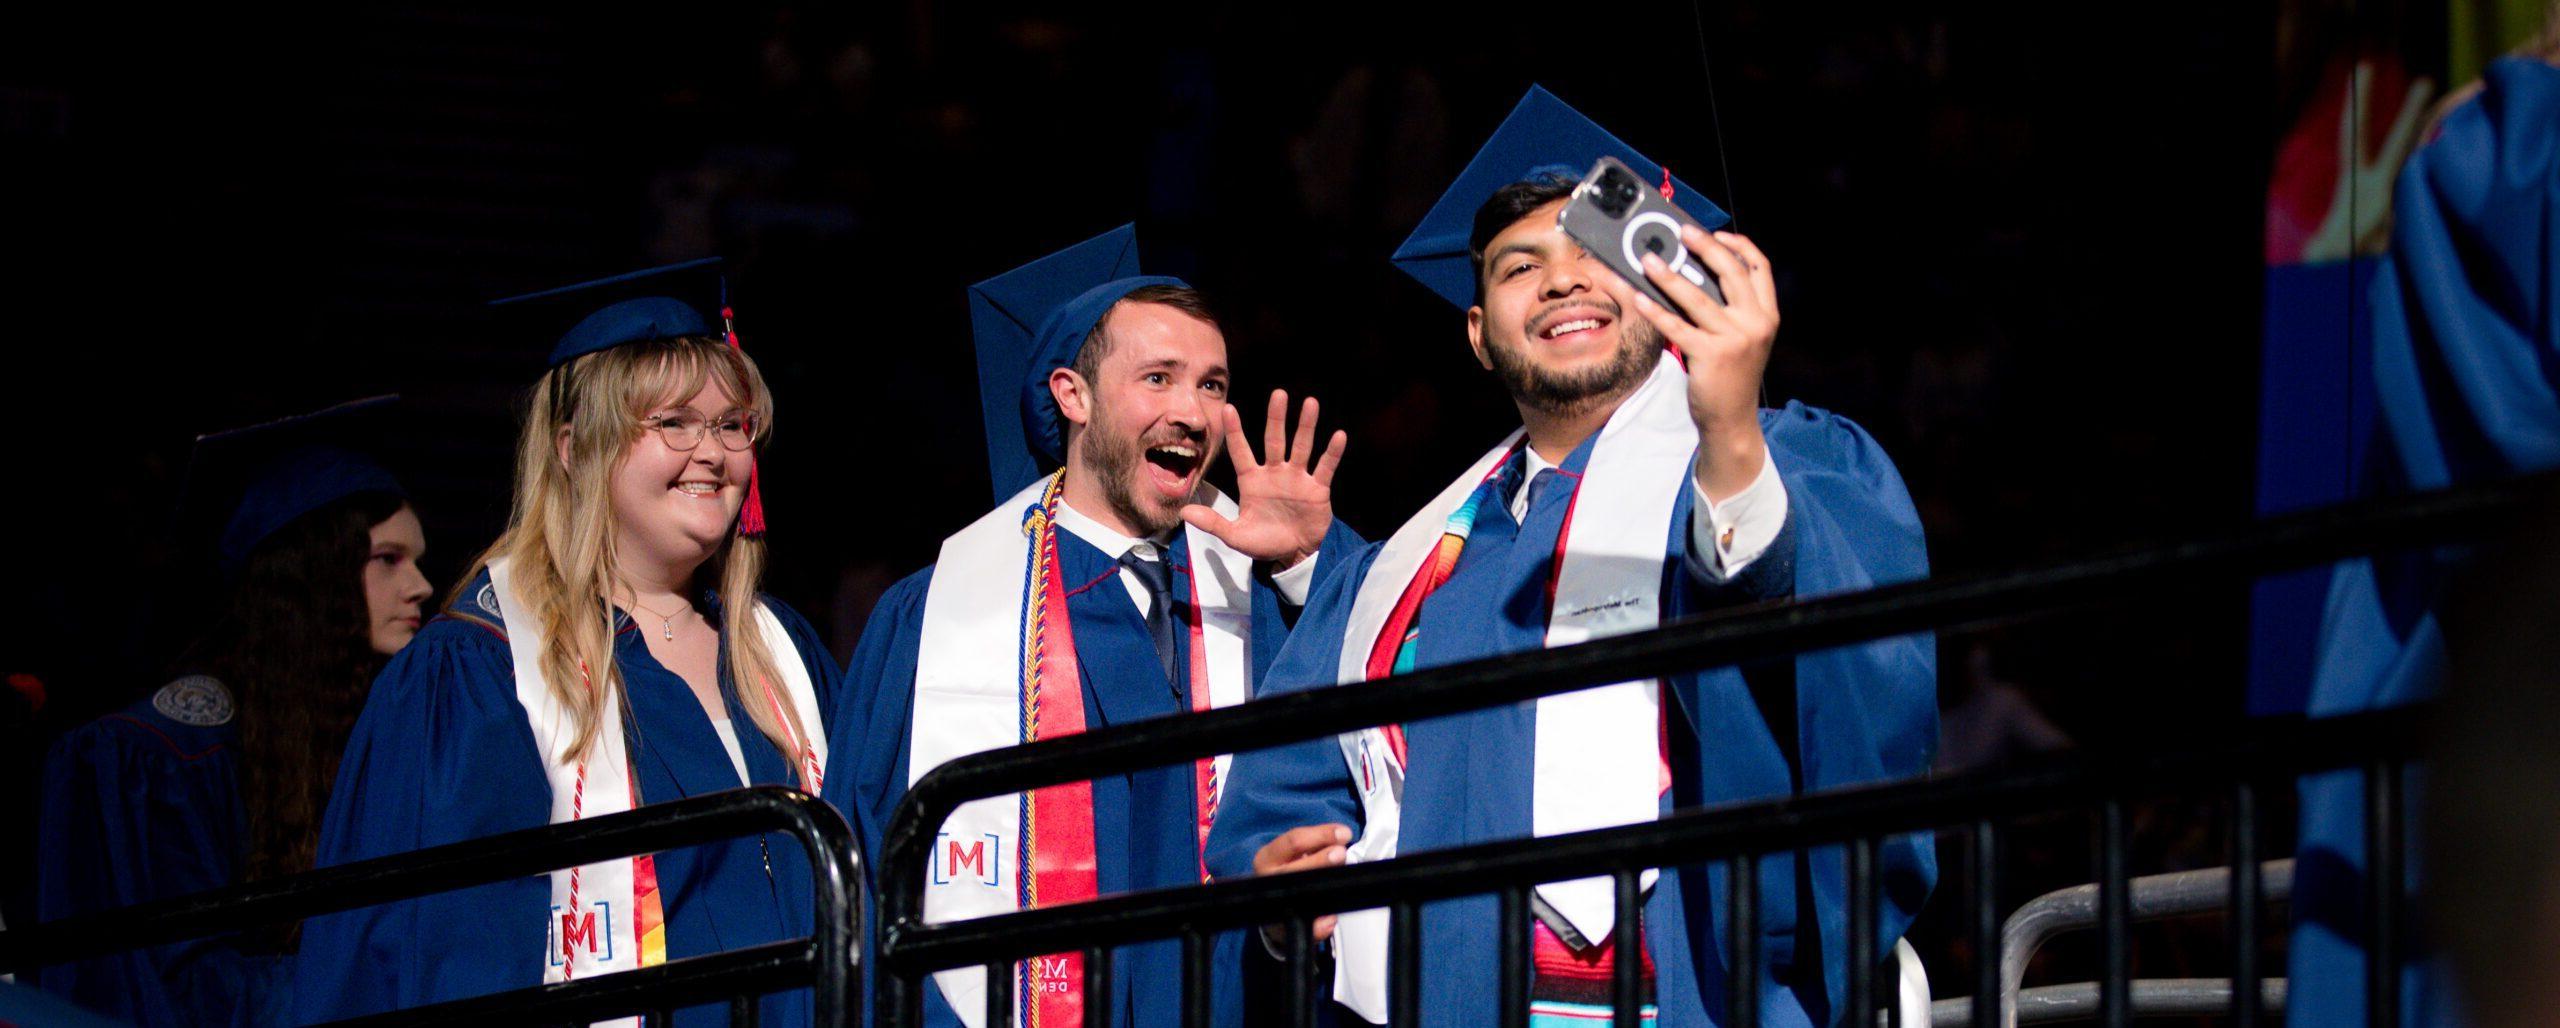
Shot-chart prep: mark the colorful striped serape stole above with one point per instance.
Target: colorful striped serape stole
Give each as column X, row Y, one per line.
column 1570, row 989
column 1566, row 987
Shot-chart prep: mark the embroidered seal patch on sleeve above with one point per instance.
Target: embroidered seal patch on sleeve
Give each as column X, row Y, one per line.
column 198, row 700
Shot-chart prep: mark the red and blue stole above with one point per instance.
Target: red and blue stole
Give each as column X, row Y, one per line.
column 997, row 666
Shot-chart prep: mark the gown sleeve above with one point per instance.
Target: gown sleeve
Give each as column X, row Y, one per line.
column 1827, row 719
column 20, row 1004
column 867, row 752
column 1342, row 548
column 1270, row 791
column 441, row 754
column 867, row 743
column 137, row 808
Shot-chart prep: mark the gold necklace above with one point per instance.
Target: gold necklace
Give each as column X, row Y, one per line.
column 666, row 622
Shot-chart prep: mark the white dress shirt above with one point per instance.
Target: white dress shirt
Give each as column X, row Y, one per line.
column 1724, row 538
column 1292, row 583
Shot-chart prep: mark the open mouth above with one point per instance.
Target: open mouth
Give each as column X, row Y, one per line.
column 1574, row 325
column 1172, row 465
column 699, row 490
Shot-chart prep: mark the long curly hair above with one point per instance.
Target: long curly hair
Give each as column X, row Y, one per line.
column 293, row 644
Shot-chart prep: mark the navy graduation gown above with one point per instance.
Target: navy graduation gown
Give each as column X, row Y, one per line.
column 2466, row 319
column 141, row 805
column 25, row 1005
column 1823, row 720
column 1145, row 824
column 442, row 753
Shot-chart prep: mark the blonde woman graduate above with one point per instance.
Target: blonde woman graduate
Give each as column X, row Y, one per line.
column 610, row 650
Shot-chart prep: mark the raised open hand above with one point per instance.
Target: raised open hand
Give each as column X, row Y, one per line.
column 1284, row 502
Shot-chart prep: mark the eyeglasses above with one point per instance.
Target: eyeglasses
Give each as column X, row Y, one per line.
column 684, row 427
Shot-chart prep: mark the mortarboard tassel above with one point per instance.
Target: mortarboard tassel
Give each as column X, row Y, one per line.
column 29, row 688
column 750, row 516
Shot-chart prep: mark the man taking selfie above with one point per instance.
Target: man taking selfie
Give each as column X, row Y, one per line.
column 1640, row 488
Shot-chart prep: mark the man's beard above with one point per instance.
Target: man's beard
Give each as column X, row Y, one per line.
column 1114, row 462
column 1575, row 392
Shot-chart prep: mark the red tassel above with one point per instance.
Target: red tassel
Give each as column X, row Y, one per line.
column 751, row 516
column 29, row 688
column 1666, row 194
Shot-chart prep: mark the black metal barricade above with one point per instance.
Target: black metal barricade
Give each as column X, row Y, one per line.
column 908, row 949
column 823, row 961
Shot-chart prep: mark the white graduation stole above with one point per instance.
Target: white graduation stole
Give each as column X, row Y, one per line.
column 968, row 699
column 607, row 916
column 1597, row 762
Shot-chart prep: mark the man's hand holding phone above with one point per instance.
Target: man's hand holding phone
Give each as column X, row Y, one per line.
column 1725, row 344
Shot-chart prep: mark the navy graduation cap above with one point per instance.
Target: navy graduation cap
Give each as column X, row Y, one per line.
column 636, row 307
column 656, row 303
column 1033, row 320
column 245, row 484
column 1542, row 136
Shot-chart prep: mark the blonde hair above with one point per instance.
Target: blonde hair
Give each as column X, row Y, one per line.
column 559, row 537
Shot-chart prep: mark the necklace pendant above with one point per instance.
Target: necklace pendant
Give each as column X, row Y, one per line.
column 667, row 627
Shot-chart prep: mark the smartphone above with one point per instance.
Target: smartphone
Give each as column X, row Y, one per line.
column 1619, row 217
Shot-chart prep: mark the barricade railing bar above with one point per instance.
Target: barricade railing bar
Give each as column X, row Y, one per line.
column 2272, row 749
column 909, row 949
column 2172, row 894
column 822, row 961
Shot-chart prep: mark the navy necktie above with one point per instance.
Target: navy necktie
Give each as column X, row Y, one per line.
column 1157, row 575
column 1544, row 484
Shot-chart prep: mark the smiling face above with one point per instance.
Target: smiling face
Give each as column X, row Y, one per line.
column 676, row 507
column 1138, row 424
column 1546, row 327
column 393, row 586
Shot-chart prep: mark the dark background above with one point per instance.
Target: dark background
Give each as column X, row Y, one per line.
column 2018, row 242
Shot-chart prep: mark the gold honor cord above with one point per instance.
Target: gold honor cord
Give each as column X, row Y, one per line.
column 1037, row 525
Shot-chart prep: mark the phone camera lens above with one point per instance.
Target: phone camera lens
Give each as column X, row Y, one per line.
column 1615, row 194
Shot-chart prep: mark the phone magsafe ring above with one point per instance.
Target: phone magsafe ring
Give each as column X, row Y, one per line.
column 1665, row 229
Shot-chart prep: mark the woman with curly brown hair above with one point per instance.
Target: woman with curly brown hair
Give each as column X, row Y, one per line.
column 220, row 776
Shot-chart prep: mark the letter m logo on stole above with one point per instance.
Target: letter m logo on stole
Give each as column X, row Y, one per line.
column 590, row 930
column 970, row 860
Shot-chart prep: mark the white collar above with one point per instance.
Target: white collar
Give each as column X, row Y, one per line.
column 1532, row 464
column 1105, row 538
column 1535, row 463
